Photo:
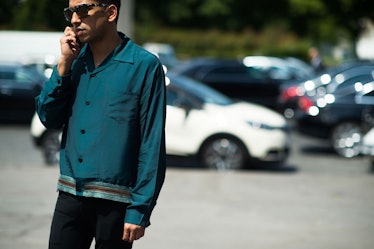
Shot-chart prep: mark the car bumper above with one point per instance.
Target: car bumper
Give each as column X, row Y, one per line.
column 277, row 155
column 270, row 146
column 367, row 150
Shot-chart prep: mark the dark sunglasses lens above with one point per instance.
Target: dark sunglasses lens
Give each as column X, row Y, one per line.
column 68, row 14
column 82, row 11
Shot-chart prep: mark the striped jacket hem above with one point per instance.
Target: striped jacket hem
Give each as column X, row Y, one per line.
column 94, row 189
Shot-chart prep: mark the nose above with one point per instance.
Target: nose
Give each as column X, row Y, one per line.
column 75, row 18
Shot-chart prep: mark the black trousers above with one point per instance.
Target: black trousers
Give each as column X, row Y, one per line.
column 78, row 220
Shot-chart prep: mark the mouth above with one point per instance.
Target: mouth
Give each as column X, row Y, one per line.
column 78, row 32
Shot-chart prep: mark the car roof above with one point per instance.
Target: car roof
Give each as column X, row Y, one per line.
column 10, row 64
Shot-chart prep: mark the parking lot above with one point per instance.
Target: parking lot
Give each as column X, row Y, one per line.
column 316, row 201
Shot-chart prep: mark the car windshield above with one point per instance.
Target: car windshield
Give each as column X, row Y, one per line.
column 199, row 90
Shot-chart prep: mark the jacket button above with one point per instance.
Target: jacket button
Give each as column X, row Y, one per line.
column 88, row 102
column 80, row 160
column 83, row 131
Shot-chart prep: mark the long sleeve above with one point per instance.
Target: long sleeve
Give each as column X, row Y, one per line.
column 52, row 103
column 151, row 169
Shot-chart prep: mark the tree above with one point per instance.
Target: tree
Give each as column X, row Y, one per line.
column 314, row 20
column 317, row 19
column 40, row 15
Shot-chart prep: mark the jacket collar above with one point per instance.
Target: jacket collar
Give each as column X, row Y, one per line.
column 125, row 52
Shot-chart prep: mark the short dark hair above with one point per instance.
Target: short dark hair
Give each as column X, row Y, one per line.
column 117, row 3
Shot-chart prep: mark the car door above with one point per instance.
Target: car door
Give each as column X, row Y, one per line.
column 18, row 88
column 181, row 123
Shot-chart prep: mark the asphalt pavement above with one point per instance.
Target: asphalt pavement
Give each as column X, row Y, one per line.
column 316, row 201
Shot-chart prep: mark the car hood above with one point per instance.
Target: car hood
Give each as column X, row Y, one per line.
column 249, row 112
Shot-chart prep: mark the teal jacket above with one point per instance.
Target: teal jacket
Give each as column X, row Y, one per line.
column 113, row 120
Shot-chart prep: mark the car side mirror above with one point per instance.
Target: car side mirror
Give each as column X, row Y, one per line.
column 185, row 106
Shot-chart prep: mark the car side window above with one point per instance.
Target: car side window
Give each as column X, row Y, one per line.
column 278, row 73
column 17, row 76
column 179, row 98
column 256, row 72
column 22, row 76
column 171, row 96
column 348, row 86
column 370, row 94
column 239, row 72
column 6, row 75
column 226, row 71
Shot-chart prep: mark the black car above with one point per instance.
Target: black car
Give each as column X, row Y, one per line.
column 295, row 93
column 367, row 148
column 239, row 80
column 19, row 85
column 337, row 116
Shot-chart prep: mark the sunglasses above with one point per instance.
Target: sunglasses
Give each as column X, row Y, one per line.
column 81, row 10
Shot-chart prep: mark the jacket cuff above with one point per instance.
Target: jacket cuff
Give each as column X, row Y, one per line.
column 57, row 84
column 133, row 216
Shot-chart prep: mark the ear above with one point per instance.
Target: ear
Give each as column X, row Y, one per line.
column 112, row 13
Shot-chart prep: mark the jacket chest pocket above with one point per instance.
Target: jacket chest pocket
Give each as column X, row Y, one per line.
column 123, row 107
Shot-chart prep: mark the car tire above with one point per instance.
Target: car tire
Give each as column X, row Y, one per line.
column 224, row 153
column 289, row 113
column 50, row 147
column 371, row 160
column 346, row 138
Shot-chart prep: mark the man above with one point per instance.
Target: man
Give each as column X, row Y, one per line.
column 316, row 60
column 108, row 96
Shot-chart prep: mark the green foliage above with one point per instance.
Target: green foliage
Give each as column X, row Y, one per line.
column 38, row 15
column 223, row 28
column 226, row 44
column 310, row 7
column 7, row 11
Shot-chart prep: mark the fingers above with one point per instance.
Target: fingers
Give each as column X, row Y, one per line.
column 69, row 51
column 69, row 44
column 132, row 232
column 69, row 31
column 70, row 38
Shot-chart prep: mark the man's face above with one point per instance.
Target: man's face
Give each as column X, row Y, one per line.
column 87, row 18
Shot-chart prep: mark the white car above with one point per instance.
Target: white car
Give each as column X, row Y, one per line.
column 200, row 121
column 367, row 146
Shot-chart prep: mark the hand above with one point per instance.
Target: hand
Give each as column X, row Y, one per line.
column 70, row 49
column 132, row 232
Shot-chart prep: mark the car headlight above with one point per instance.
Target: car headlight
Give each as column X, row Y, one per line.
column 259, row 125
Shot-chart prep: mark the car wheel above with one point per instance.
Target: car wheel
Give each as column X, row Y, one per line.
column 51, row 147
column 223, row 153
column 289, row 113
column 346, row 139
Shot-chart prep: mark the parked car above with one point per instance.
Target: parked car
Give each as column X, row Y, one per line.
column 165, row 52
column 202, row 122
column 367, row 144
column 254, row 79
column 295, row 93
column 367, row 147
column 337, row 118
column 18, row 87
